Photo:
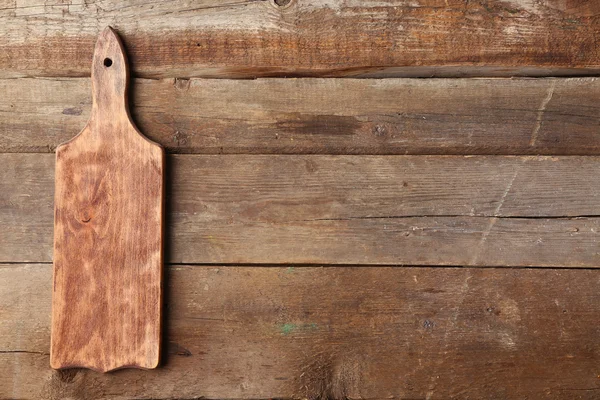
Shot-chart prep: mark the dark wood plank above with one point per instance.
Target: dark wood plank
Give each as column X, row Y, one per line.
column 108, row 232
column 353, row 332
column 425, row 210
column 308, row 116
column 249, row 38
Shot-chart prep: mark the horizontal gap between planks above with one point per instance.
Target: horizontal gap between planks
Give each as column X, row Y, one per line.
column 452, row 155
column 299, row 265
column 588, row 73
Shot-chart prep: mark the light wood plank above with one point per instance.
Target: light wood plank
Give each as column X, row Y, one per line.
column 291, row 116
column 354, row 332
column 249, row 38
column 410, row 210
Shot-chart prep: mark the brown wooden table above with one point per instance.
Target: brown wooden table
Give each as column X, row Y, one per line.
column 328, row 238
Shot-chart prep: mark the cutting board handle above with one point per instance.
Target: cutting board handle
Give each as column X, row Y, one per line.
column 110, row 78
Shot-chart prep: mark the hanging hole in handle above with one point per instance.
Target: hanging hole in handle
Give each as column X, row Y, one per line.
column 107, row 62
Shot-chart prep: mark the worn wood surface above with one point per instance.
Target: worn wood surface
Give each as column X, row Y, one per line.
column 108, row 232
column 238, row 330
column 249, row 38
column 426, row 210
column 341, row 116
column 351, row 332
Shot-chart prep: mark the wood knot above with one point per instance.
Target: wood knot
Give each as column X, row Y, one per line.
column 85, row 217
column 379, row 130
column 181, row 84
column 428, row 324
column 72, row 111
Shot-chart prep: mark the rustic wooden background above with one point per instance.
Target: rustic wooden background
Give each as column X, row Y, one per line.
column 328, row 238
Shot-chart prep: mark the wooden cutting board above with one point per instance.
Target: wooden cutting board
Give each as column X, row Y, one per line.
column 108, row 232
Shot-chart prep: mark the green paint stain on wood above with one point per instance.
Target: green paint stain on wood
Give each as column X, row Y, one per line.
column 288, row 328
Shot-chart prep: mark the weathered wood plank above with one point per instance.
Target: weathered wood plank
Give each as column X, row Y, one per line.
column 373, row 333
column 249, row 38
column 425, row 210
column 392, row 116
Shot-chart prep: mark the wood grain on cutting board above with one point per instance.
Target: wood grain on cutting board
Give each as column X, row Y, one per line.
column 108, row 232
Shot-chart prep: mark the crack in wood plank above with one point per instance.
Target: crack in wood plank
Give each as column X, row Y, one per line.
column 541, row 111
column 495, row 217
